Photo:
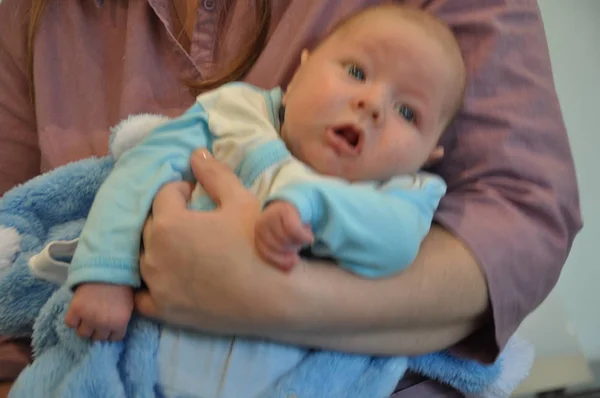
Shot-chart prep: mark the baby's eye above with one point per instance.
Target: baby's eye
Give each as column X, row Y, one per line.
column 406, row 112
column 356, row 72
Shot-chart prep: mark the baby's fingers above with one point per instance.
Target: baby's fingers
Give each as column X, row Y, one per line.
column 85, row 330
column 277, row 258
column 296, row 235
column 101, row 334
column 304, row 236
column 72, row 320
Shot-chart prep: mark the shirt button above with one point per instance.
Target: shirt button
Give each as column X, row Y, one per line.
column 209, row 5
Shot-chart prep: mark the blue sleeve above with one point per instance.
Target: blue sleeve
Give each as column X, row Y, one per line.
column 370, row 232
column 108, row 249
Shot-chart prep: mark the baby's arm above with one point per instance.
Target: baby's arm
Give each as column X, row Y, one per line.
column 373, row 232
column 104, row 268
column 106, row 260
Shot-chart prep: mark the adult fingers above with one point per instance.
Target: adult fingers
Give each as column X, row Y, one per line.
column 145, row 305
column 219, row 182
column 172, row 197
column 146, row 232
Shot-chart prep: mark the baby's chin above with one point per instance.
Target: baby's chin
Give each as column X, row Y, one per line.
column 334, row 169
column 325, row 162
column 353, row 174
column 326, row 167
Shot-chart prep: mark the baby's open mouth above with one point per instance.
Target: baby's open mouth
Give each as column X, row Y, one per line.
column 350, row 134
column 346, row 139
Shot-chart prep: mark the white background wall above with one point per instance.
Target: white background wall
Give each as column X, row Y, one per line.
column 573, row 32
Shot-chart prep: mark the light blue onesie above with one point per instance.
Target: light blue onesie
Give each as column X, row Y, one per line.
column 372, row 229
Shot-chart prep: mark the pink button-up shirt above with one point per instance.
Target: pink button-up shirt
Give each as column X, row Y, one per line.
column 512, row 192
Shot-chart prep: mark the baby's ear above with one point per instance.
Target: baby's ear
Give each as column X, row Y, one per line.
column 304, row 56
column 436, row 155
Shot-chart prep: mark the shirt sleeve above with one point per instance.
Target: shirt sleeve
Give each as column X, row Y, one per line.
column 512, row 193
column 108, row 248
column 19, row 152
column 240, row 124
column 370, row 231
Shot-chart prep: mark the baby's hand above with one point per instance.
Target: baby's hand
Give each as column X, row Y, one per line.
column 280, row 234
column 100, row 311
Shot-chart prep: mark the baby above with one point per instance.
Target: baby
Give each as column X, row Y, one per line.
column 369, row 104
column 335, row 159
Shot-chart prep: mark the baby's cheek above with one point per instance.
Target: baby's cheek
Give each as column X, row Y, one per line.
column 396, row 161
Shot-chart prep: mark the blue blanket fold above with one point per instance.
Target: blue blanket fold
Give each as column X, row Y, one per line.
column 54, row 207
column 123, row 369
column 47, row 208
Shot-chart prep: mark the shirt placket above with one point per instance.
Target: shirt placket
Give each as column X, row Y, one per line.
column 202, row 50
column 197, row 64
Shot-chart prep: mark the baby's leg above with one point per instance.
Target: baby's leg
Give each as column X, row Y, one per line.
column 100, row 311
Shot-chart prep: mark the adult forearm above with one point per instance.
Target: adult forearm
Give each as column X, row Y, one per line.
column 396, row 342
column 444, row 287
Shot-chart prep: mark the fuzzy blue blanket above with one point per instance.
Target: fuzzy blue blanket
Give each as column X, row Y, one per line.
column 53, row 207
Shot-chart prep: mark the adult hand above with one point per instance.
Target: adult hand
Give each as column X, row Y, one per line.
column 201, row 268
column 202, row 272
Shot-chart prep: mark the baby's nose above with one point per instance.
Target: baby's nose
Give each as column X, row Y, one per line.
column 371, row 108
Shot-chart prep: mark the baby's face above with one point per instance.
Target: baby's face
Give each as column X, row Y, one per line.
column 371, row 102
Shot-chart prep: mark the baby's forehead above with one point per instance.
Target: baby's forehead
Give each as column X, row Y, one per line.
column 385, row 42
column 391, row 22
column 399, row 17
column 376, row 14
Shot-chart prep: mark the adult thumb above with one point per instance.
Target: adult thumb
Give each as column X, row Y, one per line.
column 218, row 180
